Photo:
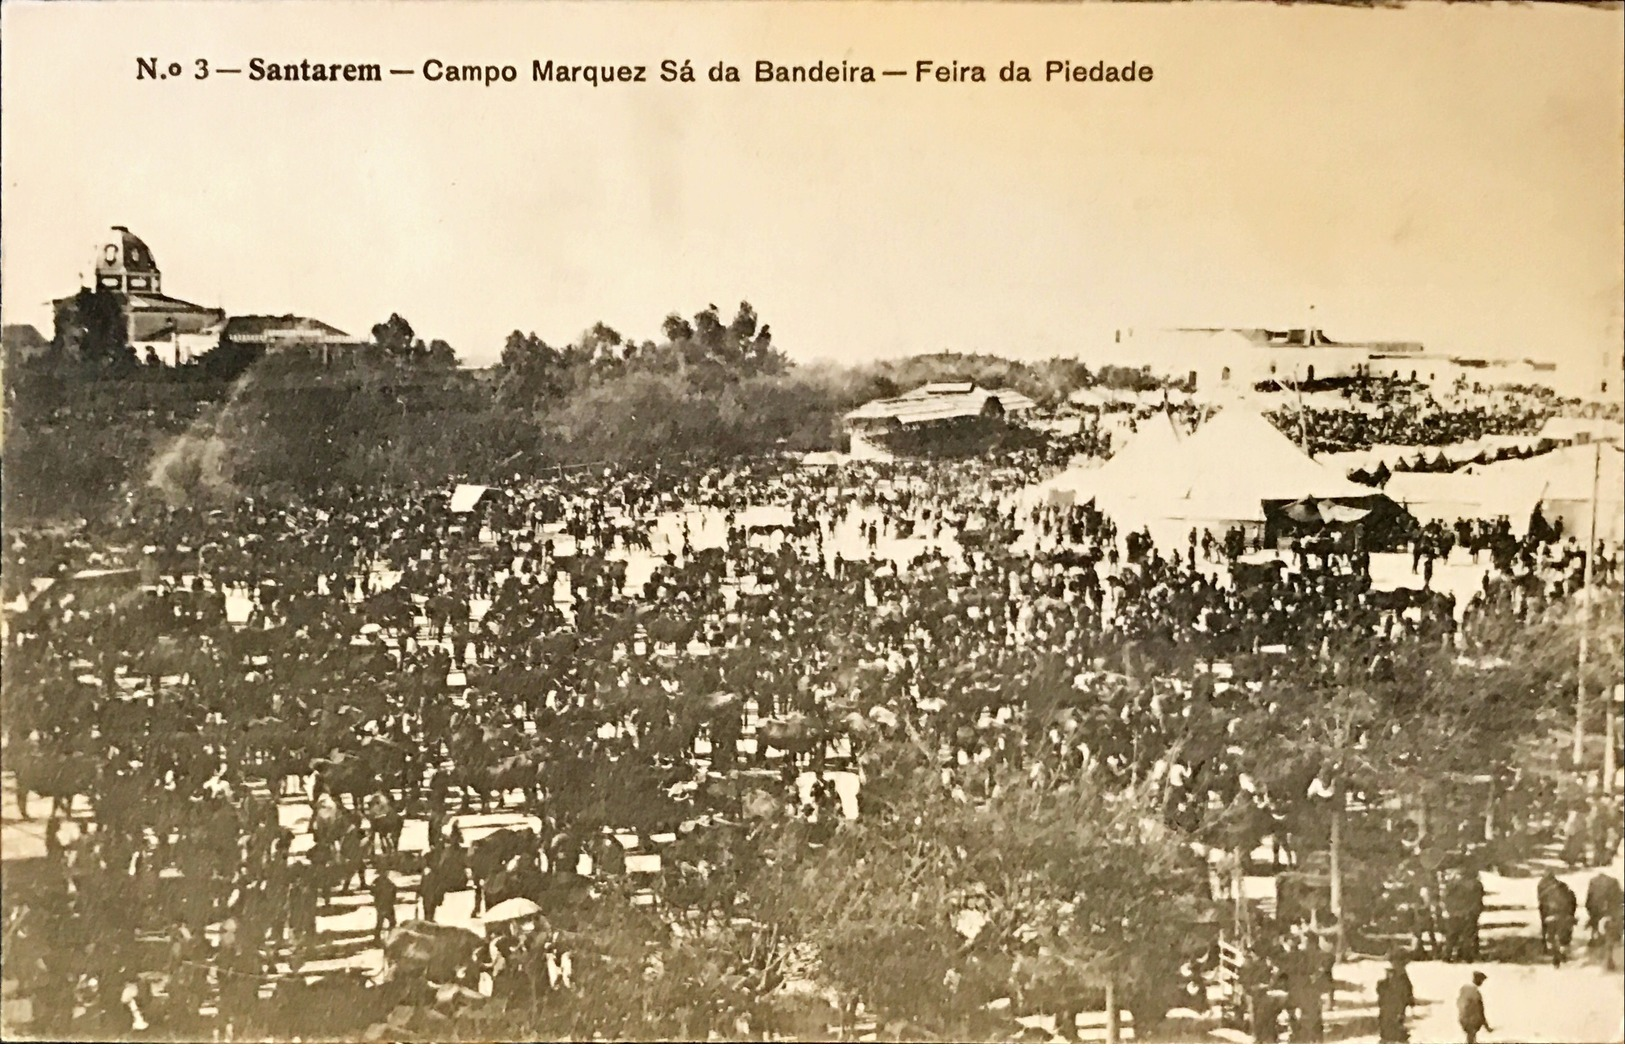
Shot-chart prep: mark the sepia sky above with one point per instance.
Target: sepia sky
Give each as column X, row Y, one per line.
column 1445, row 173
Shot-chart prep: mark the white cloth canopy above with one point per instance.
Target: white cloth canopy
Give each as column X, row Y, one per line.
column 1152, row 450
column 1225, row 471
column 1561, row 482
column 466, row 496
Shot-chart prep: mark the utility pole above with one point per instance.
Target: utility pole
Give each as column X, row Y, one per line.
column 1585, row 630
column 1297, row 383
column 1303, row 429
column 1609, row 772
column 1335, row 870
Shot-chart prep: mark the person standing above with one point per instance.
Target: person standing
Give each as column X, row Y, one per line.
column 1600, row 832
column 1306, row 985
column 1394, row 999
column 1575, row 851
column 1470, row 1009
column 383, row 904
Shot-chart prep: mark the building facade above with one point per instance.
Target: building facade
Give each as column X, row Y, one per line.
column 127, row 290
column 933, row 404
column 1216, row 359
column 127, row 294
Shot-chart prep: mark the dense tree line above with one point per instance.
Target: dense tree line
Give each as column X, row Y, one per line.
column 88, row 427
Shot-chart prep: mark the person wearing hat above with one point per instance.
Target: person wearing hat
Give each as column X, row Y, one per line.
column 1470, row 1009
column 1394, row 999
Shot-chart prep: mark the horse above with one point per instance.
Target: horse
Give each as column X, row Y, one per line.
column 433, row 952
column 794, row 735
column 477, row 762
column 521, row 878
column 445, row 870
column 376, row 764
column 61, row 777
column 384, row 823
column 1557, row 909
column 1605, row 901
column 275, row 752
column 339, row 848
column 520, row 771
column 489, row 855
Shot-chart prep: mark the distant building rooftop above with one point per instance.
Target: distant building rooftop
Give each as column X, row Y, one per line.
column 939, row 401
column 23, row 340
column 266, row 330
column 1302, row 338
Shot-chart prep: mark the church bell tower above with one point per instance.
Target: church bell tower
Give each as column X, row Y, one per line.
column 124, row 265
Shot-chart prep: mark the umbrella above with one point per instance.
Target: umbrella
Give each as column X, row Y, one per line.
column 1333, row 513
column 1305, row 512
column 882, row 715
column 511, row 910
column 1309, row 511
column 721, row 700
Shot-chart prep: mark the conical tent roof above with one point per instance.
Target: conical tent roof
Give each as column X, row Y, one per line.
column 1239, row 460
column 1226, row 470
column 1157, row 447
column 1153, row 450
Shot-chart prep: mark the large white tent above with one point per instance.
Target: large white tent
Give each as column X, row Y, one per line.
column 1153, row 449
column 1224, row 473
column 1561, row 482
column 1239, row 461
column 1456, row 496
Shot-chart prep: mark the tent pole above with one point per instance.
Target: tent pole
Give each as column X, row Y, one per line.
column 1585, row 626
column 1303, row 431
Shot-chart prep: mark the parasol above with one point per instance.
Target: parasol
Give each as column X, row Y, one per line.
column 511, row 910
column 1324, row 511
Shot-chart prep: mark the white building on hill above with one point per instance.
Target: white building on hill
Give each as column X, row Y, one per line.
column 1213, row 359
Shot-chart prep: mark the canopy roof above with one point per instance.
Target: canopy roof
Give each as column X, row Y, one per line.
column 937, row 401
column 1561, row 481
column 1239, row 461
column 1227, row 470
column 1567, row 475
column 466, row 496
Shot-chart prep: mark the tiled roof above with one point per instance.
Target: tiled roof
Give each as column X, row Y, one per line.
column 941, row 400
column 151, row 301
column 287, row 328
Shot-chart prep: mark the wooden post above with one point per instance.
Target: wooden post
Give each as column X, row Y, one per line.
column 1591, row 555
column 1585, row 618
column 1337, row 868
column 1609, row 771
column 1114, row 1027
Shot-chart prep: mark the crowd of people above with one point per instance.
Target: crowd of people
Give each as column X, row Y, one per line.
column 1398, row 413
column 602, row 649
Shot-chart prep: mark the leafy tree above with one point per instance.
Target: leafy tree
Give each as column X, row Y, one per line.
column 676, row 328
column 533, row 374
column 440, row 354
column 91, row 329
column 743, row 328
column 1043, row 891
column 394, row 336
column 602, row 344
column 641, row 418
